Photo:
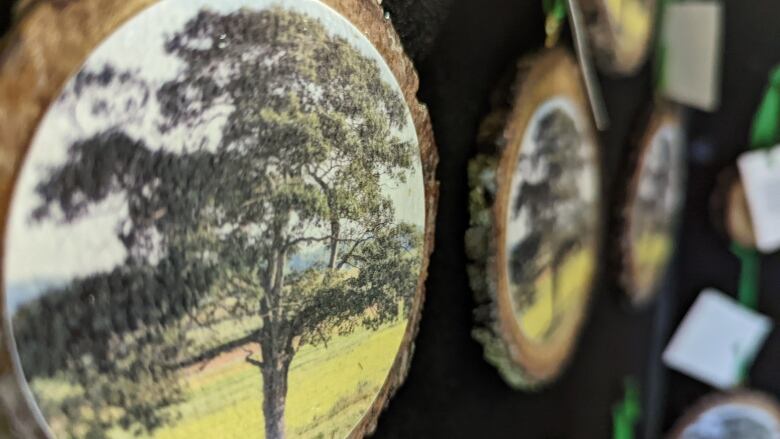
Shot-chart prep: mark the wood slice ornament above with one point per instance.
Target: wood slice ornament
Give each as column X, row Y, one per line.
column 621, row 32
column 743, row 415
column 535, row 220
column 651, row 203
column 217, row 218
column 729, row 209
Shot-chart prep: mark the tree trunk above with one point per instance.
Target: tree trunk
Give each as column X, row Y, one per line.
column 335, row 231
column 554, row 287
column 276, row 347
column 559, row 258
column 274, row 372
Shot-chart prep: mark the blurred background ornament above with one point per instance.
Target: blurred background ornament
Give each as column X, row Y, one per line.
column 535, row 219
column 649, row 206
column 743, row 415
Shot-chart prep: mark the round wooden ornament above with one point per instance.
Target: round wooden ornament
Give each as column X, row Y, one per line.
column 535, row 220
column 217, row 218
column 650, row 205
column 743, row 415
column 621, row 32
column 729, row 209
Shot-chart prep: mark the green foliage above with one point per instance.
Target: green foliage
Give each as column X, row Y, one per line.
column 311, row 140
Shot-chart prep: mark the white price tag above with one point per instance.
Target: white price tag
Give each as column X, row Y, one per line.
column 760, row 172
column 716, row 340
column 691, row 39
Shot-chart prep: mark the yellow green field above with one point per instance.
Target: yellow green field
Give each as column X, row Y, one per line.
column 329, row 391
column 538, row 319
column 652, row 251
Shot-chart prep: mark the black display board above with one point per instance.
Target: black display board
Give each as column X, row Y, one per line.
column 751, row 49
column 451, row 391
column 461, row 48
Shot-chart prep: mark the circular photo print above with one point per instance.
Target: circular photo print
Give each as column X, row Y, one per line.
column 743, row 416
column 655, row 198
column 621, row 32
column 218, row 230
column 536, row 222
column 551, row 221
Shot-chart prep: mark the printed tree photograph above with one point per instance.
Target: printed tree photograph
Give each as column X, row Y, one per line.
column 217, row 231
column 552, row 221
column 536, row 216
column 654, row 207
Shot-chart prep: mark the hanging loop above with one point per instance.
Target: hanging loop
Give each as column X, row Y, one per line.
column 555, row 10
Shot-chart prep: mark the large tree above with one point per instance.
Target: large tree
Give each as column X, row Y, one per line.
column 285, row 219
column 550, row 197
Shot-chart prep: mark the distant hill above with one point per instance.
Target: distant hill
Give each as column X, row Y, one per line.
column 19, row 293
column 308, row 257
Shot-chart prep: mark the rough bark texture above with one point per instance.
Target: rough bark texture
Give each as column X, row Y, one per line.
column 51, row 40
column 522, row 363
column 759, row 400
column 623, row 257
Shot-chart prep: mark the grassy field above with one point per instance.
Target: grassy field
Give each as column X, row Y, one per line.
column 538, row 319
column 329, row 390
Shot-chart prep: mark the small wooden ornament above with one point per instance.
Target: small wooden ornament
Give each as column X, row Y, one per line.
column 217, row 218
column 535, row 220
column 621, row 32
column 729, row 209
column 743, row 415
column 650, row 204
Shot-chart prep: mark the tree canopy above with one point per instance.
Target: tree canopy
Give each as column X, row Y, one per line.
column 311, row 135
